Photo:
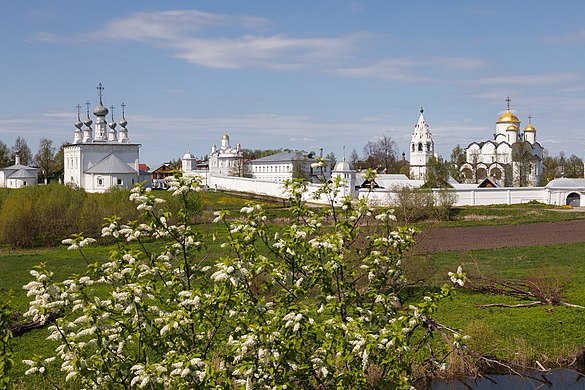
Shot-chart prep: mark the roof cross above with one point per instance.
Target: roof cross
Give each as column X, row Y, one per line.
column 87, row 103
column 100, row 89
column 112, row 110
column 78, row 108
column 123, row 108
column 508, row 100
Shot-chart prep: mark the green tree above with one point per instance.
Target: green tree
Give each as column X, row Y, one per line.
column 573, row 167
column 437, row 173
column 456, row 161
column 58, row 162
column 44, row 159
column 331, row 159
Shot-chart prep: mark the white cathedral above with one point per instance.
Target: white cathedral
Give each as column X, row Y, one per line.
column 226, row 160
column 104, row 159
column 512, row 158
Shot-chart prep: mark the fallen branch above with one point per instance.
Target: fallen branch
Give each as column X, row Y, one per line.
column 25, row 327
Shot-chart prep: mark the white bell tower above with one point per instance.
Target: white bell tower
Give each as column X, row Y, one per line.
column 421, row 148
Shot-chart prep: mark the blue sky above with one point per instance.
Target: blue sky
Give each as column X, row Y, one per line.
column 294, row 74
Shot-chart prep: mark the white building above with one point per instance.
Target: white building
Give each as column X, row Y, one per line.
column 102, row 160
column 287, row 165
column 188, row 164
column 513, row 158
column 18, row 175
column 422, row 148
column 348, row 175
column 226, row 160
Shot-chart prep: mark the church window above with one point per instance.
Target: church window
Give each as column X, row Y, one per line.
column 429, row 146
column 420, row 147
column 413, row 148
column 100, row 181
column 119, row 181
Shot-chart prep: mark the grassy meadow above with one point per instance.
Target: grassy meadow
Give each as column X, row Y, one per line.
column 519, row 335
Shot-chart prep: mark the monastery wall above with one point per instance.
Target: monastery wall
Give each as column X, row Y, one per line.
column 383, row 197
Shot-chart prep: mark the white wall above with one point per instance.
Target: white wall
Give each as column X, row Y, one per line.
column 380, row 197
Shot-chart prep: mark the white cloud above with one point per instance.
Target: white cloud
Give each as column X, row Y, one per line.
column 530, row 80
column 411, row 68
column 572, row 37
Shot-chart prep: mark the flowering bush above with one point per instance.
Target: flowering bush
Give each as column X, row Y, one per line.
column 316, row 303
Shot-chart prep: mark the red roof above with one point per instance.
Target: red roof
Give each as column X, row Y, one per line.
column 143, row 167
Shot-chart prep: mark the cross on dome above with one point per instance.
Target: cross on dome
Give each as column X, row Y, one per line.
column 100, row 89
column 508, row 100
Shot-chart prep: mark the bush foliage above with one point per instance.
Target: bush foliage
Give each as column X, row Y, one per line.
column 43, row 215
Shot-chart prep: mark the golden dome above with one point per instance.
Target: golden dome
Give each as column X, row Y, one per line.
column 508, row 117
column 530, row 129
column 512, row 128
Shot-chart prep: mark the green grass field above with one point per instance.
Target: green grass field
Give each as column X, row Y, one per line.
column 521, row 335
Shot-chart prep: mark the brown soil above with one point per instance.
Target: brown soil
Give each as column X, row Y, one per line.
column 488, row 237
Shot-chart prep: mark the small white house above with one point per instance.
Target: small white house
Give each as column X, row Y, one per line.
column 18, row 175
column 286, row 165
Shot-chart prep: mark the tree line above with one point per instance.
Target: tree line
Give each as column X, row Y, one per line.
column 48, row 158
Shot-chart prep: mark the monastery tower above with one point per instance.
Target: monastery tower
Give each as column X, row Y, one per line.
column 422, row 148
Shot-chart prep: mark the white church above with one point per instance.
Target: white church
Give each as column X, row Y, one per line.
column 99, row 159
column 513, row 158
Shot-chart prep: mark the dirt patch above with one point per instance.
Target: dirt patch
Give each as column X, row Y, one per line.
column 505, row 236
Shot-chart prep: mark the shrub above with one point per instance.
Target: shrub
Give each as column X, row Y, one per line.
column 412, row 204
column 308, row 304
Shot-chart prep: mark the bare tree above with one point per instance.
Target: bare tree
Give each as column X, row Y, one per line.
column 523, row 162
column 381, row 153
column 240, row 169
column 354, row 157
column 4, row 155
column 45, row 158
column 20, row 146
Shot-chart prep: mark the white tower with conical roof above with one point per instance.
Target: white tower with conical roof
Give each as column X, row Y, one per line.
column 422, row 148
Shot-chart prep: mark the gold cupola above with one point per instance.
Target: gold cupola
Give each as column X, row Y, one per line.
column 512, row 128
column 508, row 117
column 530, row 128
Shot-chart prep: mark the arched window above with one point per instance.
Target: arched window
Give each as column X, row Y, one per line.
column 420, row 147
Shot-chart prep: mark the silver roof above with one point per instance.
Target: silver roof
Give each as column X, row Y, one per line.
column 23, row 173
column 111, row 164
column 286, row 156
